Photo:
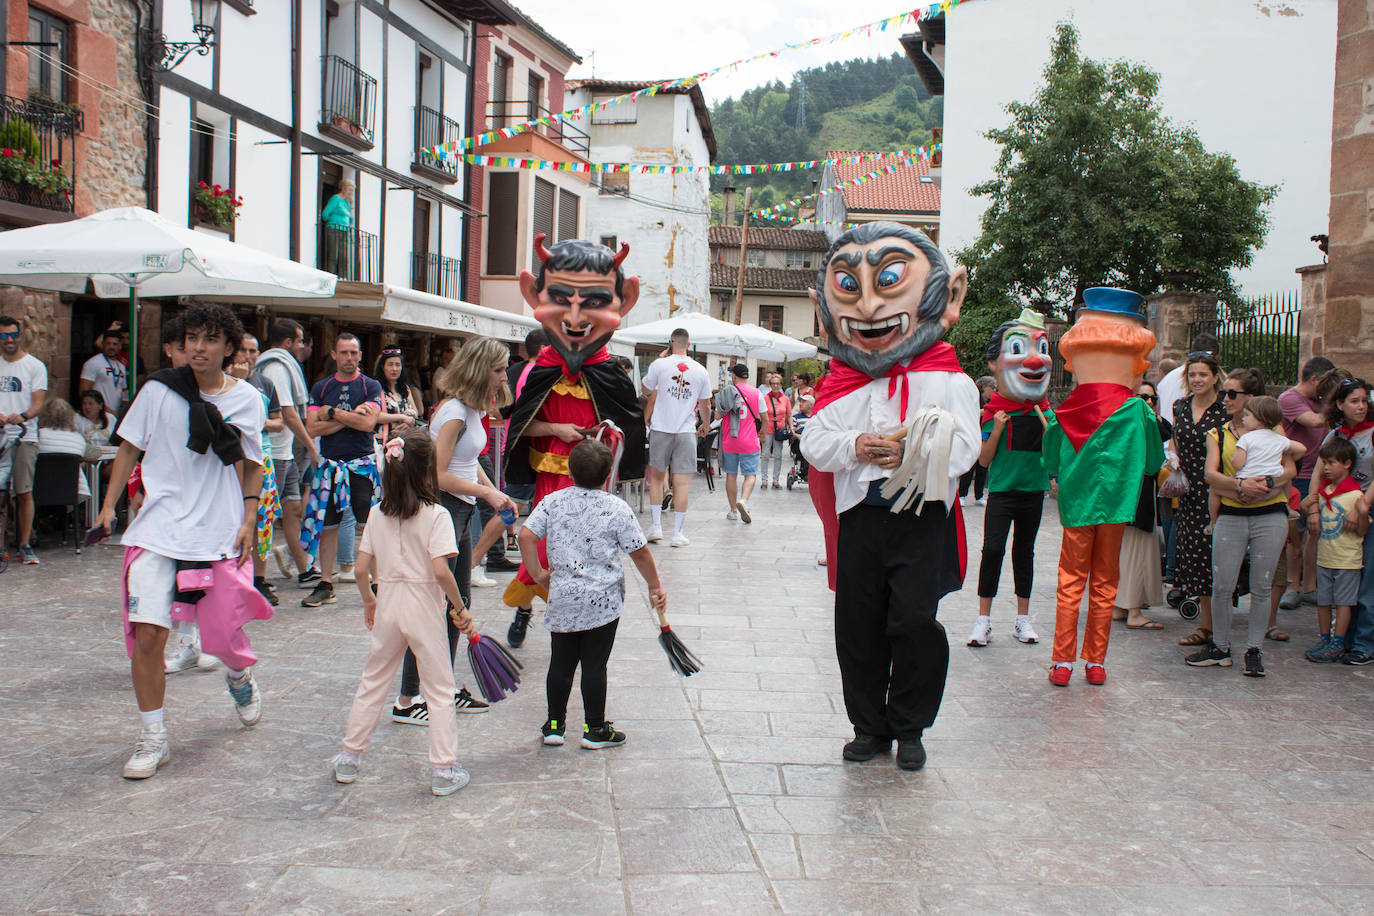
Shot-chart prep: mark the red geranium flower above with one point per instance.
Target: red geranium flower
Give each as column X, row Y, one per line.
column 202, row 185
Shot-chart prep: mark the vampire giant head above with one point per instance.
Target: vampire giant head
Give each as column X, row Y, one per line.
column 579, row 297
column 1019, row 355
column 885, row 294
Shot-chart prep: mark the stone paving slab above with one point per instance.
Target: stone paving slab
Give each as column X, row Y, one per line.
column 1168, row 789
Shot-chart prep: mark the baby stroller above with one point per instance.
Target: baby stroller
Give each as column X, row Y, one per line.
column 1188, row 607
column 9, row 435
column 798, row 472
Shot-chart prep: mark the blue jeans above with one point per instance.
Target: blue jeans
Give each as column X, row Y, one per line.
column 348, row 536
column 1360, row 636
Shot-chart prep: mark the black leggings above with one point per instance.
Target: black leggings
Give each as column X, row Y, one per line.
column 591, row 649
column 1022, row 508
column 461, row 565
column 978, row 477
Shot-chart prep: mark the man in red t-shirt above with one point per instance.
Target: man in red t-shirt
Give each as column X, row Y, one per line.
column 1304, row 420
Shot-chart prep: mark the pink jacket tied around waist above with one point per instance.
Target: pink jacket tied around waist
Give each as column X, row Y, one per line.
column 230, row 602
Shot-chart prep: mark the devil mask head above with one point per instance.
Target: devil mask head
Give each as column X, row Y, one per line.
column 1019, row 355
column 884, row 295
column 579, row 297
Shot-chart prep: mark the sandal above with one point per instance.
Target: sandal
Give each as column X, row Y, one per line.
column 1147, row 624
column 1276, row 635
column 1199, row 637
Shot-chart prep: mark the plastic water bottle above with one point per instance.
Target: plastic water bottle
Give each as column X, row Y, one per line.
column 507, row 516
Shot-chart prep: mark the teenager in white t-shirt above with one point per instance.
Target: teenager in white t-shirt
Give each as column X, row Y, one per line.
column 196, row 508
column 678, row 412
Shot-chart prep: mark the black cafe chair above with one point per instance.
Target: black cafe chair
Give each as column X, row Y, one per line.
column 55, row 486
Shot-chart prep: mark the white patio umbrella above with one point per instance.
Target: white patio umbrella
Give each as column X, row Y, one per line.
column 774, row 346
column 712, row 335
column 132, row 251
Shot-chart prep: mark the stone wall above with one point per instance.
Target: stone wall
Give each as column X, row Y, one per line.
column 1312, row 317
column 112, row 166
column 1170, row 314
column 1348, row 327
column 47, row 329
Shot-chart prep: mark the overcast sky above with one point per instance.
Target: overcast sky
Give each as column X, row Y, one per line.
column 632, row 40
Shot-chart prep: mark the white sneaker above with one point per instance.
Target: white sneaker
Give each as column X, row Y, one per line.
column 655, row 534
column 732, row 515
column 247, row 699
column 480, row 579
column 680, row 540
column 448, row 780
column 345, row 767
column 982, row 632
column 1024, row 631
column 347, row 575
column 181, row 658
column 151, row 752
column 206, row 662
column 284, row 561
column 744, row 512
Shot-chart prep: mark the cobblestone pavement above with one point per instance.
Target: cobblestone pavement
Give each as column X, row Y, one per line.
column 1168, row 789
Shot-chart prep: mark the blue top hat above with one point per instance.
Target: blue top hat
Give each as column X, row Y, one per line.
column 1116, row 301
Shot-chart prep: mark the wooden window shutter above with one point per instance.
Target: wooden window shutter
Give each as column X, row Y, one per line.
column 503, row 209
column 567, row 215
column 543, row 210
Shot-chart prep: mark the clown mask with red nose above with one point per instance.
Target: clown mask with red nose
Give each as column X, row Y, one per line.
column 1019, row 356
column 579, row 296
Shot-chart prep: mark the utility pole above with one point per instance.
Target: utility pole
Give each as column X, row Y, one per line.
column 743, row 258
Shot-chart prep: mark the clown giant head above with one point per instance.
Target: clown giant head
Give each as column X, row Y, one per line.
column 884, row 295
column 580, row 296
column 1109, row 342
column 1019, row 355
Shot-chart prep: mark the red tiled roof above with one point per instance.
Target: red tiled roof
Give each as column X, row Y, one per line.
column 901, row 192
column 775, row 279
column 770, row 237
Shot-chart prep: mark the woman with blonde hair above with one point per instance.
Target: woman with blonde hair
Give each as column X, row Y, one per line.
column 467, row 387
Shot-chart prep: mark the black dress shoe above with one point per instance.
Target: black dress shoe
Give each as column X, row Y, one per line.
column 911, row 754
column 866, row 747
column 501, row 564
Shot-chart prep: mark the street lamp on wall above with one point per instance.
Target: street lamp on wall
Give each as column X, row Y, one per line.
column 161, row 54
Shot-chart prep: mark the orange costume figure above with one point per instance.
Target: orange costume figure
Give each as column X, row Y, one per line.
column 1100, row 442
column 580, row 296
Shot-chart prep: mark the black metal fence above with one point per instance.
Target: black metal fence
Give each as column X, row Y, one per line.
column 503, row 113
column 350, row 98
column 434, row 273
column 350, row 254
column 1261, row 332
column 432, row 128
column 39, row 168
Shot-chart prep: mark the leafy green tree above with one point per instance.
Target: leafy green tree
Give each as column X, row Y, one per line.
column 1095, row 186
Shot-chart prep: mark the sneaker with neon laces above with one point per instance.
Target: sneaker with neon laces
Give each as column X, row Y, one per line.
column 247, row 698
column 1023, row 631
column 654, row 534
column 345, row 767
column 982, row 632
column 603, row 736
column 680, row 540
column 465, row 702
column 553, row 730
column 480, row 579
column 448, row 780
column 322, row 594
column 151, row 752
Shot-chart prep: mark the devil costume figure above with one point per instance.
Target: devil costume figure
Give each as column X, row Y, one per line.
column 895, row 398
column 579, row 298
column 1100, row 444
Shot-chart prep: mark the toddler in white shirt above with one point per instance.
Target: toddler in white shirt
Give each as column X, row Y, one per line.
column 1260, row 449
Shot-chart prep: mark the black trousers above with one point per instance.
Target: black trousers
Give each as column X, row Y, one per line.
column 978, row 477
column 592, row 650
column 1019, row 508
column 461, row 565
column 485, row 512
column 891, row 571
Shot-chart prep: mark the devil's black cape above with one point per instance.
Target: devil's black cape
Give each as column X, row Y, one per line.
column 613, row 398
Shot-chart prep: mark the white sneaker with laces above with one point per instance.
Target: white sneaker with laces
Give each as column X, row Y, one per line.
column 345, row 767
column 680, row 540
column 982, row 632
column 480, row 579
column 1024, row 631
column 205, row 661
column 655, row 534
column 151, row 752
column 744, row 512
column 448, row 780
column 181, row 658
column 347, row 575
column 732, row 515
column 247, row 698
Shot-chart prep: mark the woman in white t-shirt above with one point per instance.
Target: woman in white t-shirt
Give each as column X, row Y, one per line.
column 94, row 421
column 57, row 435
column 473, row 380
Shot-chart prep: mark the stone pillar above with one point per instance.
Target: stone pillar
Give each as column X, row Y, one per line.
column 1312, row 316
column 47, row 331
column 1170, row 314
column 1348, row 326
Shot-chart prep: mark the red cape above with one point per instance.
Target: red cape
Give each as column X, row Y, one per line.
column 843, row 380
column 1346, row 485
column 548, row 356
column 1087, row 408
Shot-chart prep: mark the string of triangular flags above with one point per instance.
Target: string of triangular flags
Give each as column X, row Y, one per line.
column 554, row 165
column 913, row 17
column 886, row 169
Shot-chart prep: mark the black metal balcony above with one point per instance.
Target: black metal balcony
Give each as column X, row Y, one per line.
column 38, row 155
column 434, row 273
column 507, row 113
column 349, row 109
column 350, row 254
column 432, row 129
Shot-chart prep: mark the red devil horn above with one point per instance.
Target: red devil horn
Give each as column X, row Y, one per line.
column 539, row 248
column 620, row 257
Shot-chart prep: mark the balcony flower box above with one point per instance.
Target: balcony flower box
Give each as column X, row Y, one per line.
column 213, row 205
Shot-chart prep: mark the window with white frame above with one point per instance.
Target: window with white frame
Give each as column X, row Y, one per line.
column 754, row 259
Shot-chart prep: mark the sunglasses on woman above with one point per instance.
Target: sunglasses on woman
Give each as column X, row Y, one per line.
column 1347, row 384
column 1229, row 394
